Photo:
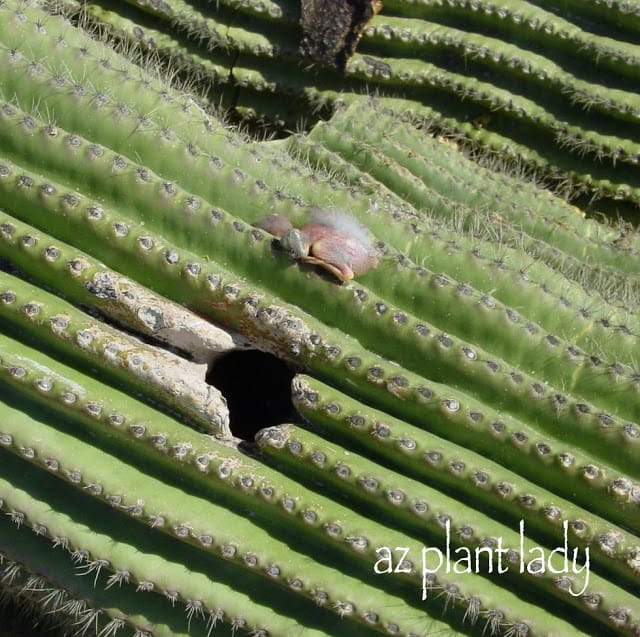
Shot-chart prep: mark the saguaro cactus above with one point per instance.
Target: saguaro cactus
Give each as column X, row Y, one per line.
column 473, row 393
column 552, row 87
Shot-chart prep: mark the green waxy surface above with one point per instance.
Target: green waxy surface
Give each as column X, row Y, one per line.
column 434, row 458
column 430, row 404
column 484, row 374
column 424, row 351
column 430, row 513
column 506, row 77
column 240, row 542
column 329, row 519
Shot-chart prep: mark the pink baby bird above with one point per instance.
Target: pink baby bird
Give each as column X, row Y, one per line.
column 333, row 240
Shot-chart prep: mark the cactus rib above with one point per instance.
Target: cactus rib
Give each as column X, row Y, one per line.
column 168, row 379
column 476, row 388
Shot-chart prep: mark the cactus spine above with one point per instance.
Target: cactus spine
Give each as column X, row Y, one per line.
column 460, row 391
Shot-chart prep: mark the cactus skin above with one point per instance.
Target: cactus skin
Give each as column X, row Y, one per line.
column 310, row 458
column 435, row 355
column 189, row 519
column 435, row 405
column 529, row 211
column 433, row 460
column 501, row 76
column 88, row 200
column 172, row 381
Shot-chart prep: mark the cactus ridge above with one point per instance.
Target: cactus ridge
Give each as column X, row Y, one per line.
column 191, row 520
column 423, row 512
column 326, row 132
column 54, row 264
column 598, row 278
column 61, row 596
column 451, row 234
column 212, row 67
column 432, row 459
column 564, row 170
column 218, row 33
column 113, row 78
column 137, row 131
column 431, row 38
column 136, row 186
column 255, row 75
column 429, row 165
column 146, row 243
column 166, row 378
column 621, row 17
column 482, row 376
column 453, row 357
column 545, row 29
column 131, row 561
column 476, row 186
column 557, row 110
column 319, row 514
column 578, row 138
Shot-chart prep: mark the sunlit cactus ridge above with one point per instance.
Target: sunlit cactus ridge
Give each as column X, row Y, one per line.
column 475, row 386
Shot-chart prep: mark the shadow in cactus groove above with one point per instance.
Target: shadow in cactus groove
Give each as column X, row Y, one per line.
column 257, row 387
column 19, row 621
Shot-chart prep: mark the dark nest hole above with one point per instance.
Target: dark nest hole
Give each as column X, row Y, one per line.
column 257, row 387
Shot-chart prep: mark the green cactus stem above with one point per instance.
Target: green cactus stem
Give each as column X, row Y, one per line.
column 520, row 64
column 483, row 240
column 324, row 512
column 151, row 567
column 87, row 282
column 435, row 460
column 241, row 542
column 165, row 378
column 435, row 355
column 137, row 144
column 479, row 380
column 366, row 379
column 525, row 208
column 424, row 512
column 531, row 102
column 104, row 554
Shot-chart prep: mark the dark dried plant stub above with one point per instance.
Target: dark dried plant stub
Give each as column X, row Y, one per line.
column 331, row 29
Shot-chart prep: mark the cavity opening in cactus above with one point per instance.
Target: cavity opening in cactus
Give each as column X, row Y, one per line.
column 257, row 388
